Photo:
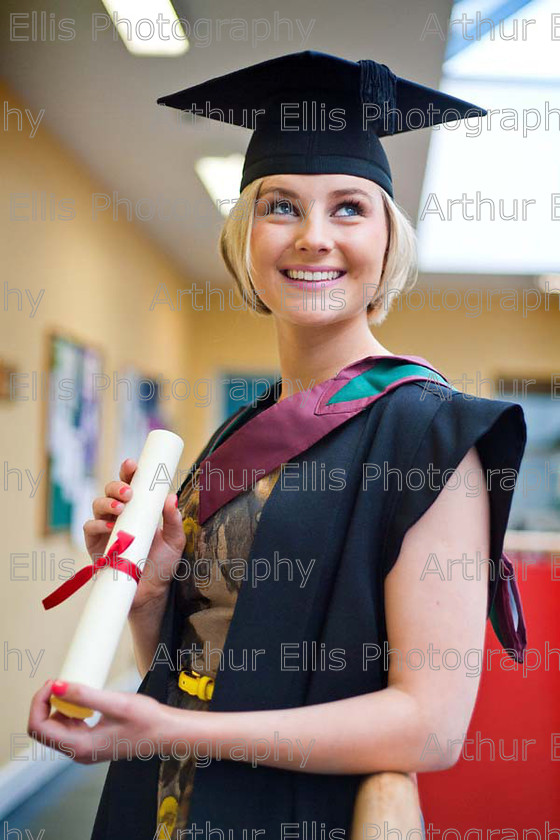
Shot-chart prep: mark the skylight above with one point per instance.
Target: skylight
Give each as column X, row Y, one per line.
column 502, row 171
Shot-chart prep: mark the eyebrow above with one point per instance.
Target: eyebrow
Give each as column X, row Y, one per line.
column 334, row 193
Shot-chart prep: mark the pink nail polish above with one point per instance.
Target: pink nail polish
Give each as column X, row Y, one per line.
column 123, row 490
column 115, row 503
column 59, row 687
column 109, row 524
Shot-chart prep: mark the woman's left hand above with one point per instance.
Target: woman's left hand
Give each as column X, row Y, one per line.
column 127, row 719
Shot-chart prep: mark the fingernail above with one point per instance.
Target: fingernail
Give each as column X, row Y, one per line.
column 124, row 490
column 176, row 501
column 109, row 524
column 59, row 687
column 115, row 503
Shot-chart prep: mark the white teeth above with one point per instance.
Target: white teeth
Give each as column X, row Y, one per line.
column 314, row 276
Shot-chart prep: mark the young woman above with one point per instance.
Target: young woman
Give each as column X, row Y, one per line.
column 303, row 593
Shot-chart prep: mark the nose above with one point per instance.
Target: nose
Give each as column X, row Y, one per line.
column 312, row 234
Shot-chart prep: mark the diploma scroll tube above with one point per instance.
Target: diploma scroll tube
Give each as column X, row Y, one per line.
column 101, row 624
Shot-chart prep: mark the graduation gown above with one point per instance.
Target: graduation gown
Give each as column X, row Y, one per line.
column 346, row 526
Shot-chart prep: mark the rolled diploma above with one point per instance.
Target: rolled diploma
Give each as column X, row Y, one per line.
column 100, row 627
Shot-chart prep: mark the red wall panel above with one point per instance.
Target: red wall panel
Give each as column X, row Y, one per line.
column 491, row 792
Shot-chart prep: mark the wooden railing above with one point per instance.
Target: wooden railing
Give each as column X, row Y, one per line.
column 390, row 798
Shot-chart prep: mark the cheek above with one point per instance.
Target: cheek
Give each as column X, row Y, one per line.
column 265, row 255
column 268, row 243
column 370, row 248
column 261, row 244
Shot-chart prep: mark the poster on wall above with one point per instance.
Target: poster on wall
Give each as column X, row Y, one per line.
column 240, row 388
column 73, row 434
column 140, row 410
column 74, row 429
column 536, row 501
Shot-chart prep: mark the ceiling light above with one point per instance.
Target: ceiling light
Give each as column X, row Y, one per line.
column 221, row 177
column 147, row 27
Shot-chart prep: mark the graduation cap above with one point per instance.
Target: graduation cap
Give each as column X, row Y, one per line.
column 314, row 113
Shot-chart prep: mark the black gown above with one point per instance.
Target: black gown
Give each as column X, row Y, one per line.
column 349, row 534
column 210, row 577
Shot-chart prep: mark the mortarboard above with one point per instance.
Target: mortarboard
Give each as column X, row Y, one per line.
column 315, row 113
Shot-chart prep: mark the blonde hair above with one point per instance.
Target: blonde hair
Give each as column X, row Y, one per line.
column 399, row 272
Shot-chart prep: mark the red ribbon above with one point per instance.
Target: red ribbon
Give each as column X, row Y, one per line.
column 111, row 558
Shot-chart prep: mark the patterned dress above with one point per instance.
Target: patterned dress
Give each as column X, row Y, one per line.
column 210, row 577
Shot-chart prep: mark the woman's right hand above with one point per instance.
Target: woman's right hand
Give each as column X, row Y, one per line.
column 166, row 549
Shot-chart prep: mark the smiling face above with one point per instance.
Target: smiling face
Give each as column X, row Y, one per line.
column 318, row 244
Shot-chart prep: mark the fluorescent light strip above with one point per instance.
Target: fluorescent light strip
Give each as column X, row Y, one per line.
column 221, row 177
column 136, row 21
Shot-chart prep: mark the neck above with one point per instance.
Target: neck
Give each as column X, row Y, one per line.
column 311, row 355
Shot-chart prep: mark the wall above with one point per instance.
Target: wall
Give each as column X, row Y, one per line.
column 98, row 277
column 496, row 343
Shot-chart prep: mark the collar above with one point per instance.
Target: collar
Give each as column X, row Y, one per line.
column 268, row 433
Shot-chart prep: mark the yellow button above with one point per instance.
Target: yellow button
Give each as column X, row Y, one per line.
column 197, row 685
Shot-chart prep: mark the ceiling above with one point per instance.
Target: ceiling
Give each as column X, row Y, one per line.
column 100, row 101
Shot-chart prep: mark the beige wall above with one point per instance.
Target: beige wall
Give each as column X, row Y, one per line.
column 99, row 278
column 496, row 343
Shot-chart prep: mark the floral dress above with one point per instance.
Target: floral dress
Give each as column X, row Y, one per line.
column 210, row 577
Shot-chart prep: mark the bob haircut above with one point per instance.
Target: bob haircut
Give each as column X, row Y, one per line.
column 399, row 272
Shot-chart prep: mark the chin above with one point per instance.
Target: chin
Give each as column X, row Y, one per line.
column 310, row 317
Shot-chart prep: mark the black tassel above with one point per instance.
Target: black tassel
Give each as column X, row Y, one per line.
column 378, row 86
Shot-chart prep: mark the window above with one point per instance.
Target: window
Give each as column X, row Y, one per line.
column 502, row 170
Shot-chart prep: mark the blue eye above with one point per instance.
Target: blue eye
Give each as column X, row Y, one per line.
column 356, row 205
column 284, row 207
column 281, row 203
